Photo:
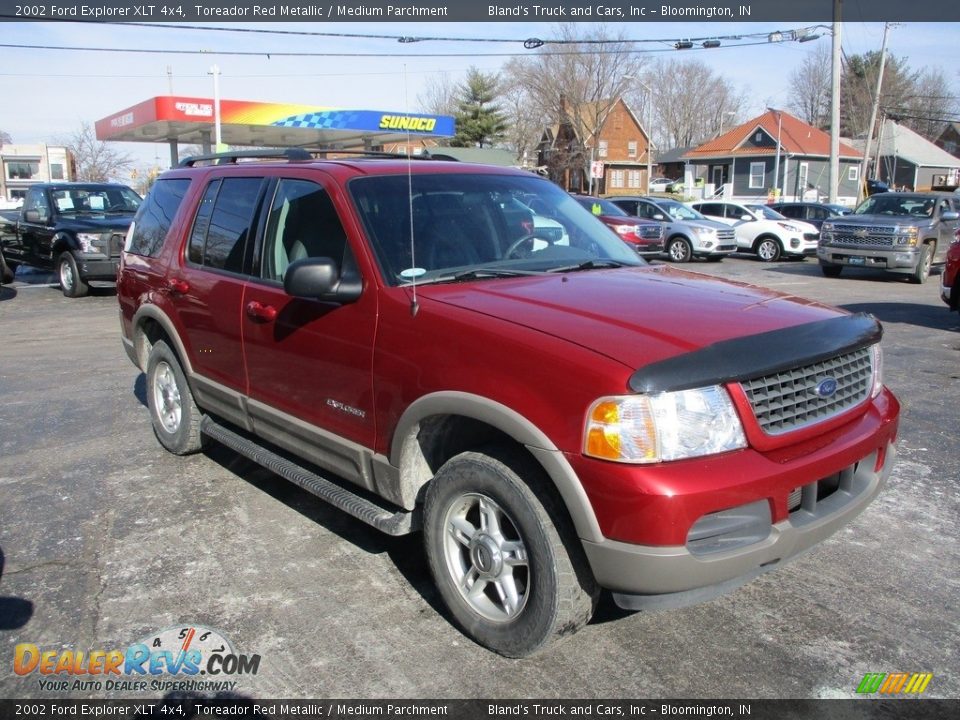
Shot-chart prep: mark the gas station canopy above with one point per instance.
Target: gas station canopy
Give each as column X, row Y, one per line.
column 191, row 120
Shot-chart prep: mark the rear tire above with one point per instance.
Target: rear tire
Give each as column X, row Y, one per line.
column 6, row 272
column 831, row 271
column 72, row 285
column 173, row 412
column 922, row 271
column 503, row 553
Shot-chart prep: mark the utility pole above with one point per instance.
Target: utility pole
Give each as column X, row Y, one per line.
column 864, row 165
column 218, row 139
column 835, row 105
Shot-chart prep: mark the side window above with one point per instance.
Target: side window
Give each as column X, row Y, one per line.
column 37, row 200
column 711, row 209
column 816, row 213
column 646, row 210
column 303, row 223
column 790, row 211
column 155, row 216
column 222, row 226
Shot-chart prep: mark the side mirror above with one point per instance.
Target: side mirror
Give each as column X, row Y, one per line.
column 34, row 216
column 659, row 216
column 950, row 215
column 320, row 278
column 746, row 217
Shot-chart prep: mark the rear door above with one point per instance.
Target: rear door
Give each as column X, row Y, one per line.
column 207, row 290
column 946, row 229
column 309, row 363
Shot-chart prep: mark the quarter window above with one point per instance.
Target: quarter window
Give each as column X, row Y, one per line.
column 153, row 219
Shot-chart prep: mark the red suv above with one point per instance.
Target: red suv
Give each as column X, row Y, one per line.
column 950, row 279
column 554, row 414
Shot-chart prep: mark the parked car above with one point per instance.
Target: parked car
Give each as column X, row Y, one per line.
column 73, row 229
column 661, row 184
column 905, row 233
column 554, row 420
column 688, row 233
column 876, row 186
column 763, row 231
column 644, row 236
column 950, row 278
column 811, row 212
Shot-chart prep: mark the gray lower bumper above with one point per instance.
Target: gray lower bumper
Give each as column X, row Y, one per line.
column 903, row 261
column 652, row 577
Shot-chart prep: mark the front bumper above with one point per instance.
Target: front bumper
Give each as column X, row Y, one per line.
column 946, row 290
column 894, row 260
column 686, row 531
column 96, row 269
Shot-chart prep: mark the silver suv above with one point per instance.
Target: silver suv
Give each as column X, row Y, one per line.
column 900, row 232
column 687, row 233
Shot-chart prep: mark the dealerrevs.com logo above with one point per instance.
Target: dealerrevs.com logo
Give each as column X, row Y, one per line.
column 179, row 658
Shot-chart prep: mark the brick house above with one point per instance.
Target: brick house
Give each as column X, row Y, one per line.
column 608, row 132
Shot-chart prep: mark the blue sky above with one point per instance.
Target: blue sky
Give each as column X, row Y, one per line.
column 48, row 93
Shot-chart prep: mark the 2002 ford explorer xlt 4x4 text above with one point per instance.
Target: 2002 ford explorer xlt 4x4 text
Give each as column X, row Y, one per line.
column 556, row 415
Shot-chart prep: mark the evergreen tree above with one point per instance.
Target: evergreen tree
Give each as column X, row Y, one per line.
column 479, row 119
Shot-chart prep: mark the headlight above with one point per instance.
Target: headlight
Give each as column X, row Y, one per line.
column 89, row 242
column 876, row 359
column 664, row 426
column 827, row 227
column 704, row 232
column 906, row 235
column 788, row 226
column 625, row 229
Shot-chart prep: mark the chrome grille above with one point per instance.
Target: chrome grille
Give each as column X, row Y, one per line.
column 790, row 400
column 650, row 232
column 863, row 235
column 726, row 235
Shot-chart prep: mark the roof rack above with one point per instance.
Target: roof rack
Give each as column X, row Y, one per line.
column 300, row 154
column 231, row 157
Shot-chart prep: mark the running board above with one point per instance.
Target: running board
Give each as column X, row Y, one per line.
column 391, row 523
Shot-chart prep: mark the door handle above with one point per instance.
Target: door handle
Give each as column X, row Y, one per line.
column 259, row 311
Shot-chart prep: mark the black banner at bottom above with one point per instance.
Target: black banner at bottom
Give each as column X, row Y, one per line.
column 185, row 707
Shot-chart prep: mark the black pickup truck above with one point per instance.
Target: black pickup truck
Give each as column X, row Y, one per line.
column 74, row 229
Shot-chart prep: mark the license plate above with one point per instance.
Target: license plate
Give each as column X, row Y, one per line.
column 857, row 260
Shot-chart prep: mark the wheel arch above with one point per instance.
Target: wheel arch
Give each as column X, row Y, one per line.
column 443, row 424
column 150, row 324
column 63, row 241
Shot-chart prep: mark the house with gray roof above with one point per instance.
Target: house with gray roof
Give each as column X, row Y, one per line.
column 910, row 161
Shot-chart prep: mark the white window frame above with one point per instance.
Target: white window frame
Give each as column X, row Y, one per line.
column 803, row 174
column 632, row 148
column 616, row 178
column 633, row 179
column 763, row 175
column 602, row 149
column 853, row 173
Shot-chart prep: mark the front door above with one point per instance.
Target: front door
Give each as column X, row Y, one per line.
column 309, row 363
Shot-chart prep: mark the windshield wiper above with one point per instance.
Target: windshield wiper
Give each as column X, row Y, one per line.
column 476, row 274
column 588, row 265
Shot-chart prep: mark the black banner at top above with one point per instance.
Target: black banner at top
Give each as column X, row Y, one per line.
column 613, row 11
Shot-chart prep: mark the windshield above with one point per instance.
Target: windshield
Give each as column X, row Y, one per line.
column 95, row 199
column 767, row 213
column 679, row 211
column 888, row 204
column 470, row 222
column 839, row 209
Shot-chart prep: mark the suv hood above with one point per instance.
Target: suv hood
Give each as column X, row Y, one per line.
column 634, row 315
column 711, row 224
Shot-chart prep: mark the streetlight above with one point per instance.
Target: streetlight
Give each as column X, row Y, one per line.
column 218, row 139
column 649, row 126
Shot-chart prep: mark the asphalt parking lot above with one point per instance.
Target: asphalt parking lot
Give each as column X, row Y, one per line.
column 107, row 539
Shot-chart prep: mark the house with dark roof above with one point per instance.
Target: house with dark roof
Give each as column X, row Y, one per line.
column 775, row 153
column 606, row 132
column 949, row 139
column 910, row 161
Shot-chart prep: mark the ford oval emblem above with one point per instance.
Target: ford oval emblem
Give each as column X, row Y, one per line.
column 827, row 387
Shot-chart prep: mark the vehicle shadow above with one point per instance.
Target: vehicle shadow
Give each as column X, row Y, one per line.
column 812, row 269
column 928, row 316
column 14, row 612
column 140, row 389
column 405, row 551
column 7, row 292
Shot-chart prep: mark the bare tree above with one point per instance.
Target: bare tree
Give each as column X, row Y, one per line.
column 439, row 96
column 930, row 106
column 524, row 126
column 810, row 88
column 691, row 102
column 5, row 138
column 95, row 160
column 575, row 87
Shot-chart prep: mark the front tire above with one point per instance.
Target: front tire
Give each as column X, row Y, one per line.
column 503, row 554
column 72, row 285
column 173, row 412
column 679, row 250
column 768, row 249
column 922, row 271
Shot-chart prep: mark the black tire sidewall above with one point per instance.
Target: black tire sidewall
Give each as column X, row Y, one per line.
column 79, row 287
column 179, row 442
column 475, row 473
column 687, row 249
